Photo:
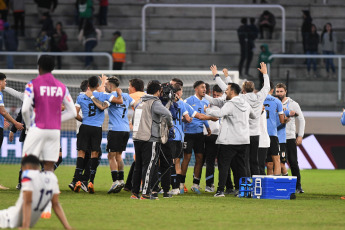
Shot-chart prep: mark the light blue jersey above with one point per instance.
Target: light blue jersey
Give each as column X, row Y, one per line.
column 92, row 115
column 118, row 120
column 273, row 108
column 178, row 123
column 1, row 104
column 196, row 126
column 281, row 128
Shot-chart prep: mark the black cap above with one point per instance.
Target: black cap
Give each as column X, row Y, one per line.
column 117, row 33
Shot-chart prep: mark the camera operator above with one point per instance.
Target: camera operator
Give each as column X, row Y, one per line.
column 151, row 121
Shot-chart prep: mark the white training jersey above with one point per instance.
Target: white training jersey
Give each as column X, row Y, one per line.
column 264, row 139
column 43, row 186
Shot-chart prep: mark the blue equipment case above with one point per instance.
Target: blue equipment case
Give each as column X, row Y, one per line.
column 268, row 187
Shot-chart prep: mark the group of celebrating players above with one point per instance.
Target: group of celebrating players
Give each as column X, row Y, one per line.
column 241, row 129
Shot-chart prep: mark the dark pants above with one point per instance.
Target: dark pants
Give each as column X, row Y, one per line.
column 243, row 57
column 102, row 16
column 211, row 151
column 249, row 59
column 227, row 154
column 253, row 155
column 270, row 30
column 262, row 155
column 117, row 65
column 145, row 161
column 130, row 176
column 19, row 18
column 291, row 150
column 165, row 166
column 311, row 61
column 329, row 61
column 229, row 184
column 89, row 46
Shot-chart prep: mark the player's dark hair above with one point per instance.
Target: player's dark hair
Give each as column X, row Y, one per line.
column 235, row 87
column 153, row 86
column 31, row 159
column 2, row 76
column 114, row 80
column 83, row 85
column 93, row 81
column 207, row 88
column 217, row 89
column 178, row 80
column 197, row 83
column 137, row 84
column 177, row 87
column 244, row 21
column 46, row 63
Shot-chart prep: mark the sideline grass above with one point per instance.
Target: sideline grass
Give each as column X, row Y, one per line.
column 319, row 208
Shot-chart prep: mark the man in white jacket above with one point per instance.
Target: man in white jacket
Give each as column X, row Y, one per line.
column 255, row 100
column 291, row 140
column 233, row 138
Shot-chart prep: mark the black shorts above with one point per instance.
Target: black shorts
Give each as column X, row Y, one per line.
column 89, row 138
column 117, row 141
column 195, row 142
column 273, row 150
column 176, row 149
column 282, row 153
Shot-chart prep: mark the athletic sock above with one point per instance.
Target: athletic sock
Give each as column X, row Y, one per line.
column 182, row 178
column 79, row 169
column 174, row 181
column 114, row 175
column 286, row 174
column 196, row 180
column 121, row 175
column 94, row 164
column 56, row 165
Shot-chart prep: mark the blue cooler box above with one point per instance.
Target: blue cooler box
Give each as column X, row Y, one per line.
column 274, row 187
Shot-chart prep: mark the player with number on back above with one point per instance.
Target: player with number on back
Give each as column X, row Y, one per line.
column 38, row 189
column 118, row 134
column 92, row 104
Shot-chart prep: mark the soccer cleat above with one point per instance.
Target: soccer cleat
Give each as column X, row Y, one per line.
column 229, row 191
column 209, row 189
column 119, row 187
column 175, row 191
column 195, row 188
column 71, row 186
column 77, row 186
column 46, row 215
column 135, row 196
column 90, row 188
column 343, row 197
column 113, row 186
column 84, row 186
column 167, row 195
column 219, row 194
column 185, row 188
column 145, row 197
column 19, row 186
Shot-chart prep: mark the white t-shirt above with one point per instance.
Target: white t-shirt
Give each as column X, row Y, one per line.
column 43, row 186
column 264, row 141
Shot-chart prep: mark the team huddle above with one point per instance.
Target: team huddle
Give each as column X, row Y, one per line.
column 238, row 128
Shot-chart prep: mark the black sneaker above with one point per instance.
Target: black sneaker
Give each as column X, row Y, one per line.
column 71, row 185
column 229, row 191
column 299, row 190
column 167, row 195
column 219, row 194
column 19, row 186
column 154, row 196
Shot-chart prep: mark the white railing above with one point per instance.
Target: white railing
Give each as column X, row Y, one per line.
column 213, row 18
column 313, row 56
column 38, row 54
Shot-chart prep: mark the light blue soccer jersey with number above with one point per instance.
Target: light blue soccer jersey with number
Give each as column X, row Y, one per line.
column 92, row 115
column 273, row 107
column 118, row 120
column 196, row 126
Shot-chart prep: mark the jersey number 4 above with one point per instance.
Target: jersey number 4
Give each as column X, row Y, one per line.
column 92, row 109
column 44, row 193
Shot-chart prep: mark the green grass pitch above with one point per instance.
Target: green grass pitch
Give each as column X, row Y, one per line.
column 319, row 208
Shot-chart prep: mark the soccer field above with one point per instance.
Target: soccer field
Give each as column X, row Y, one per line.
column 319, row 208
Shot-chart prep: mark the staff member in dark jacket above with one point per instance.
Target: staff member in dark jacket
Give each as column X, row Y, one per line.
column 312, row 45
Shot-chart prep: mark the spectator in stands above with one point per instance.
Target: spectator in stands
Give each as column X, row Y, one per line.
column 312, row 44
column 242, row 33
column 252, row 36
column 329, row 46
column 85, row 12
column 47, row 25
column 45, row 6
column 11, row 43
column 3, row 9
column 43, row 42
column 306, row 28
column 59, row 42
column 119, row 51
column 18, row 8
column 267, row 20
column 89, row 35
column 263, row 57
column 103, row 12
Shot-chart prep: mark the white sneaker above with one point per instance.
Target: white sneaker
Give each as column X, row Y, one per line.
column 175, row 191
column 196, row 188
column 209, row 189
column 114, row 185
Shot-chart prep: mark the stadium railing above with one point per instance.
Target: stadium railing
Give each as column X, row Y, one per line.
column 84, row 54
column 314, row 56
column 213, row 18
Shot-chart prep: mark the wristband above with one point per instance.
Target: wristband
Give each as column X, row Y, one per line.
column 217, row 75
column 92, row 97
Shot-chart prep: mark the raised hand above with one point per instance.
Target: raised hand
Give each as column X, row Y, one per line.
column 226, row 72
column 214, row 70
column 263, row 68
